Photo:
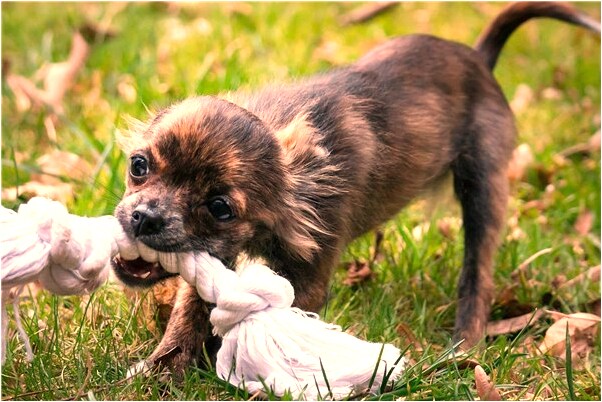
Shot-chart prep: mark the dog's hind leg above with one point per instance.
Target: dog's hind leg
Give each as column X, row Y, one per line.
column 481, row 185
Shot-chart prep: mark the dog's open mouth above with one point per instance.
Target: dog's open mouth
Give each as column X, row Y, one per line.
column 145, row 270
column 140, row 269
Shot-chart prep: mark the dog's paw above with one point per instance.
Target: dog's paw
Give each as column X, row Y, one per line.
column 141, row 368
column 147, row 368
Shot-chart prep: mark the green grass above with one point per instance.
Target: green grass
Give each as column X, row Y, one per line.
column 84, row 345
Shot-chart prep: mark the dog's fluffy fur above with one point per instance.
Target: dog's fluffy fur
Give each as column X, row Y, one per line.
column 301, row 170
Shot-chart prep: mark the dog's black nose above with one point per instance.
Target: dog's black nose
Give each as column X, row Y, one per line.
column 145, row 221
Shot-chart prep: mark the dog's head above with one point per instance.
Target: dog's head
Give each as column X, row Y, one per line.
column 205, row 175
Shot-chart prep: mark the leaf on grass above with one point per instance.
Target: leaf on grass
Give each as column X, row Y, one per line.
column 57, row 164
column 366, row 12
column 514, row 324
column 582, row 328
column 62, row 192
column 58, row 79
column 485, row 387
column 357, row 272
column 48, row 183
column 522, row 159
column 584, row 222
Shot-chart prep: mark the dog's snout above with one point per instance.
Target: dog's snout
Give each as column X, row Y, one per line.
column 146, row 221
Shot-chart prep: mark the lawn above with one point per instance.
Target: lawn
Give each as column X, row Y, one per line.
column 144, row 56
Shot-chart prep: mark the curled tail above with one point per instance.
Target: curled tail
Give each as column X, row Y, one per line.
column 494, row 37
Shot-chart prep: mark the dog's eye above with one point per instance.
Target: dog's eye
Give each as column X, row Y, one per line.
column 138, row 166
column 219, row 208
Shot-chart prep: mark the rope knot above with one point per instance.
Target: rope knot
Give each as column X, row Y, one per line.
column 257, row 288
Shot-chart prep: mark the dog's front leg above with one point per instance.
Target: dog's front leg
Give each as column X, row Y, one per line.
column 187, row 336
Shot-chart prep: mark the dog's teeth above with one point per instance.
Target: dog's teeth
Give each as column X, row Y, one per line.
column 169, row 262
column 129, row 254
column 147, row 253
column 144, row 275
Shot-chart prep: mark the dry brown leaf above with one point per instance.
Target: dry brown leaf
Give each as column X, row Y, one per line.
column 584, row 222
column 357, row 272
column 582, row 328
column 366, row 12
column 63, row 164
column 485, row 387
column 48, row 184
column 62, row 192
column 61, row 76
column 515, row 324
column 58, row 79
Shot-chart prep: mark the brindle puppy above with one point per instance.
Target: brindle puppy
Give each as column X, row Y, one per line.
column 291, row 174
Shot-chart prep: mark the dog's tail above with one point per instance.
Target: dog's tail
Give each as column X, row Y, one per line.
column 494, row 37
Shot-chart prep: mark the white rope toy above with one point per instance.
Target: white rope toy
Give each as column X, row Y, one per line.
column 265, row 340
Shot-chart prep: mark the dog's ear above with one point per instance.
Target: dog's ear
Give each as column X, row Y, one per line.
column 133, row 137
column 308, row 176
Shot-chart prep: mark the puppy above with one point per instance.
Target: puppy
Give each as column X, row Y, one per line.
column 291, row 174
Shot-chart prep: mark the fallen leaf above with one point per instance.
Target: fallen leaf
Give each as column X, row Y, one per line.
column 584, row 222
column 485, row 387
column 56, row 164
column 48, row 183
column 512, row 325
column 62, row 192
column 357, row 272
column 522, row 158
column 366, row 12
column 582, row 328
column 58, row 79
